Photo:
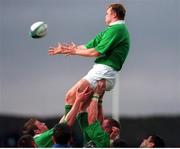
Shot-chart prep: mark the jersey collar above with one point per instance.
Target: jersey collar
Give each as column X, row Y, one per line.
column 117, row 22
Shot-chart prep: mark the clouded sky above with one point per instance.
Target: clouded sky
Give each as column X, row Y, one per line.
column 31, row 82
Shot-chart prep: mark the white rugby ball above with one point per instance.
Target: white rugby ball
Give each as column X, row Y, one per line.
column 38, row 29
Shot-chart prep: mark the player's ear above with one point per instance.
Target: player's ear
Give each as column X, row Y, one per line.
column 113, row 14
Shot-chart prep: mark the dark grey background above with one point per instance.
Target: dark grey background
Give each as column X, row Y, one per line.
column 33, row 83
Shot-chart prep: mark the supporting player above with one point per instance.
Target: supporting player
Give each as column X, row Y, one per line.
column 95, row 132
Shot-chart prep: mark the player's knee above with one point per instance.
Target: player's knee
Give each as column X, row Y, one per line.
column 69, row 98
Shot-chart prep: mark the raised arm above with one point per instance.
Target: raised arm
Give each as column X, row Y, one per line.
column 94, row 111
column 72, row 49
column 80, row 96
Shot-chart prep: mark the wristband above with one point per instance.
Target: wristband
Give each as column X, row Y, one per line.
column 96, row 98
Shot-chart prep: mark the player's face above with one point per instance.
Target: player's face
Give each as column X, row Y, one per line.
column 41, row 127
column 106, row 126
column 109, row 16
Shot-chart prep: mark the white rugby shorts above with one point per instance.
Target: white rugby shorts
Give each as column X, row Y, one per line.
column 100, row 71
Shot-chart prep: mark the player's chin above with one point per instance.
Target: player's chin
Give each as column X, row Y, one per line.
column 106, row 22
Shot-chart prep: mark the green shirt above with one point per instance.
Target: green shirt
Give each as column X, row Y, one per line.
column 44, row 139
column 93, row 132
column 113, row 45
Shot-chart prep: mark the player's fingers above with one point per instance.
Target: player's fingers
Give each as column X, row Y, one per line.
column 50, row 51
column 59, row 45
column 65, row 45
column 51, row 54
column 89, row 93
column 86, row 90
column 79, row 91
column 102, row 84
column 115, row 130
column 51, row 48
column 73, row 44
column 65, row 52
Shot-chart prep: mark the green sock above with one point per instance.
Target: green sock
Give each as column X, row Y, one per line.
column 67, row 109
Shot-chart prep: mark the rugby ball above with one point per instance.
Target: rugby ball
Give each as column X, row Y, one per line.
column 38, row 29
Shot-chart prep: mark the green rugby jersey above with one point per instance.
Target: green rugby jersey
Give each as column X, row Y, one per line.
column 44, row 139
column 113, row 45
column 93, row 132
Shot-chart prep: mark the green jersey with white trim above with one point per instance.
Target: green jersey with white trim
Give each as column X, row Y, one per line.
column 44, row 139
column 93, row 132
column 113, row 45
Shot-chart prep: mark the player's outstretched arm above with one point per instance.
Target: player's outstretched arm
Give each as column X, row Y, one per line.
column 87, row 53
column 55, row 50
column 82, row 47
column 72, row 49
column 80, row 96
column 93, row 107
column 80, row 50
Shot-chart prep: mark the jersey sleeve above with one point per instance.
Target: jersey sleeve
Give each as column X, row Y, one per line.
column 94, row 42
column 82, row 119
column 96, row 134
column 44, row 139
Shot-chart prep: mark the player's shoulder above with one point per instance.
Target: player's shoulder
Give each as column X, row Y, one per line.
column 47, row 132
column 112, row 30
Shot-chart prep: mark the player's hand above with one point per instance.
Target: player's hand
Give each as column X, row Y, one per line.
column 84, row 95
column 145, row 142
column 55, row 50
column 115, row 133
column 69, row 49
column 101, row 86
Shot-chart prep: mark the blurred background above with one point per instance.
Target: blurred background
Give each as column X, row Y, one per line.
column 33, row 84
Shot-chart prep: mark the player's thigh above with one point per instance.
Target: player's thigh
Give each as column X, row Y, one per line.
column 80, row 86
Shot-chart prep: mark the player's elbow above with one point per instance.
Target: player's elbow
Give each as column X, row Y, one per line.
column 93, row 53
column 97, row 54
